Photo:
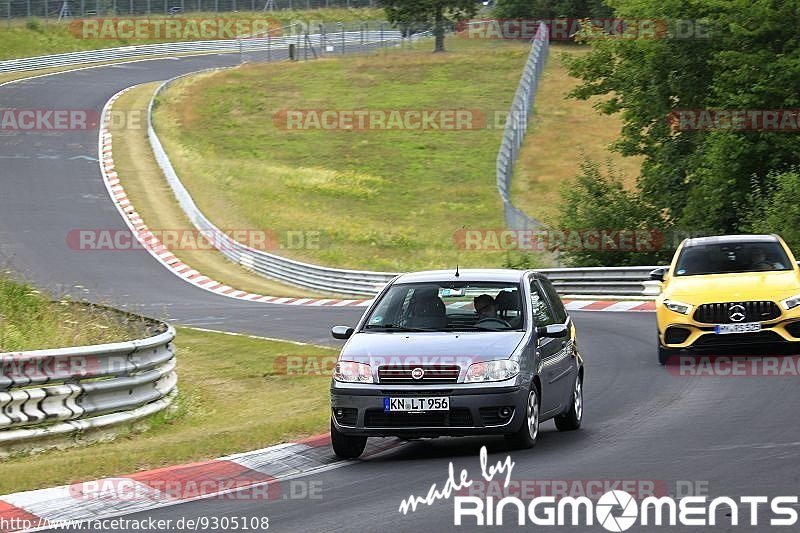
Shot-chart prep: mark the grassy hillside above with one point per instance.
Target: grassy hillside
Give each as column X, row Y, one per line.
column 380, row 199
column 33, row 37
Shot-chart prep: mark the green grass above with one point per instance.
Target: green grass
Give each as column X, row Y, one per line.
column 233, row 396
column 562, row 133
column 154, row 200
column 33, row 37
column 383, row 200
column 29, row 320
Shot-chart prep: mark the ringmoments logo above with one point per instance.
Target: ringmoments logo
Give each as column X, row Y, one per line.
column 615, row 510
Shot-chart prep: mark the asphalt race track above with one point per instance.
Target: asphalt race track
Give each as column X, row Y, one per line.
column 731, row 436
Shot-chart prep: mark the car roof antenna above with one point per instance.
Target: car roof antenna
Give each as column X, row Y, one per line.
column 456, row 269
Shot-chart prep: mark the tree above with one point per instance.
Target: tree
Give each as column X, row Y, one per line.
column 599, row 204
column 436, row 13
column 733, row 55
column 775, row 209
column 551, row 9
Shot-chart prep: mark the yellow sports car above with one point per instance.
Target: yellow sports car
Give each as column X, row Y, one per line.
column 728, row 290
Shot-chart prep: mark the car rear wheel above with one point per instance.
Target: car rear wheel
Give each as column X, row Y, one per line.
column 527, row 434
column 346, row 446
column 571, row 420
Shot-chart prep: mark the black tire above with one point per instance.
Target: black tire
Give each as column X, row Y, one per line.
column 571, row 420
column 664, row 354
column 346, row 446
column 529, row 431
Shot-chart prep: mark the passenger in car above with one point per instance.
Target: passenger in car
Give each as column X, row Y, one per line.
column 485, row 306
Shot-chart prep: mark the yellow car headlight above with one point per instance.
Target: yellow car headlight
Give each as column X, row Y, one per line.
column 791, row 303
column 678, row 307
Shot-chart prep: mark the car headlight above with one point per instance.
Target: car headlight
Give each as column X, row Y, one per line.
column 499, row 370
column 791, row 303
column 678, row 307
column 349, row 372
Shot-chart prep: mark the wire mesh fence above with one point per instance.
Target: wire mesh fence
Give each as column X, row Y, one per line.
column 303, row 41
column 517, row 125
column 97, row 8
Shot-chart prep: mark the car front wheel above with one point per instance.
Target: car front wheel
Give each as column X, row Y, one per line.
column 346, row 446
column 527, row 434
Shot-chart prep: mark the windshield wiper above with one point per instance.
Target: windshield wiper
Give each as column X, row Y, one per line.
column 480, row 328
column 390, row 327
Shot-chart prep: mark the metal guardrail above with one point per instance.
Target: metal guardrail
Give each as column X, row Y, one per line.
column 633, row 281
column 289, row 271
column 604, row 281
column 251, row 48
column 517, row 125
column 60, row 391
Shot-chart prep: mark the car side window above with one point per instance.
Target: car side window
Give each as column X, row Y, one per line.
column 559, row 312
column 542, row 314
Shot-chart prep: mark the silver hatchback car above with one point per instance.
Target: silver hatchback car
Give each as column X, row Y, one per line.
column 457, row 353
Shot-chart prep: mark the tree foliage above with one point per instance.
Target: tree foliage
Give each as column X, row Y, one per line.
column 600, row 203
column 435, row 14
column 776, row 209
column 550, row 9
column 737, row 55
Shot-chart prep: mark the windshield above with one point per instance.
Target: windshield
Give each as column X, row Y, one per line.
column 467, row 306
column 727, row 258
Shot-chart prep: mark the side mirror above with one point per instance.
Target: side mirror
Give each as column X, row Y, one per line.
column 658, row 274
column 553, row 331
column 342, row 332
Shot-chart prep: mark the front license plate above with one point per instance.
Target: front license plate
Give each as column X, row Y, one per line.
column 415, row 405
column 746, row 327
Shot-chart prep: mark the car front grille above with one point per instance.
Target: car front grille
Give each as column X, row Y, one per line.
column 720, row 313
column 711, row 340
column 459, row 417
column 432, row 374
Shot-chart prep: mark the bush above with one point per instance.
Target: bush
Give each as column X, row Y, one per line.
column 775, row 208
column 34, row 25
column 599, row 204
column 549, row 9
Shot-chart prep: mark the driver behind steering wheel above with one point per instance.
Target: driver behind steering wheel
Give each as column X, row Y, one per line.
column 485, row 306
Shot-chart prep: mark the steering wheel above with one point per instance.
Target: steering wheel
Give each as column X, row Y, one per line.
column 500, row 321
column 764, row 265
